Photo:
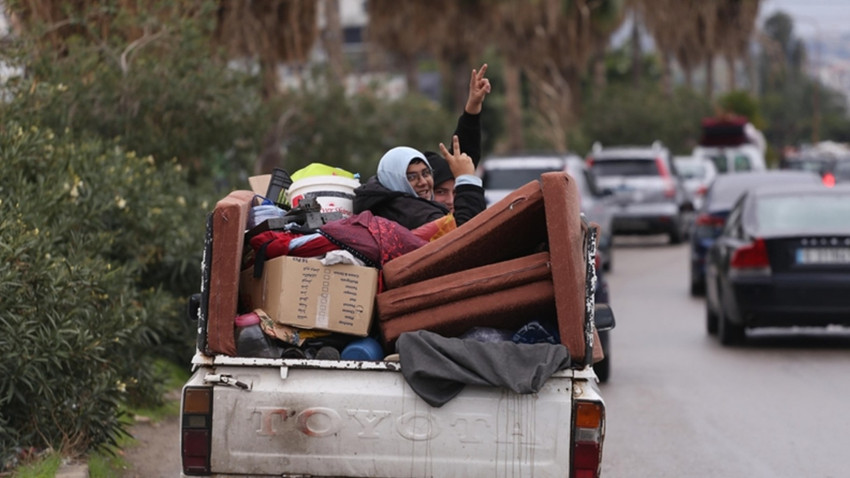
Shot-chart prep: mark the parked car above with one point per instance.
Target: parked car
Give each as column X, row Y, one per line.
column 502, row 174
column 841, row 172
column 783, row 259
column 697, row 173
column 820, row 164
column 649, row 194
column 721, row 196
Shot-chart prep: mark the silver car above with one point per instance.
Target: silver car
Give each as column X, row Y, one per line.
column 503, row 174
column 649, row 194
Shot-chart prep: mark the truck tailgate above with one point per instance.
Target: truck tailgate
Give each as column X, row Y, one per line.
column 332, row 420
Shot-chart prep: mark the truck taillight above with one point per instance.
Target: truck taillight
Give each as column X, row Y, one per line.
column 588, row 433
column 196, row 430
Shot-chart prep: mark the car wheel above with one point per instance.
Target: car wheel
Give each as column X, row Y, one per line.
column 697, row 288
column 606, row 266
column 603, row 367
column 710, row 320
column 676, row 234
column 728, row 332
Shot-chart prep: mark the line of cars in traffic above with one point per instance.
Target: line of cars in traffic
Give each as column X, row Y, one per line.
column 767, row 247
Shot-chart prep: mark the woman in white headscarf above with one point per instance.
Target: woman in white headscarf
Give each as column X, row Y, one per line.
column 403, row 189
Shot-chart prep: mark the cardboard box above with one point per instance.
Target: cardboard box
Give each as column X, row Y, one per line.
column 305, row 293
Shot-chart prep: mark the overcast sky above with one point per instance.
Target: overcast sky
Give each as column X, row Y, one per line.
column 828, row 16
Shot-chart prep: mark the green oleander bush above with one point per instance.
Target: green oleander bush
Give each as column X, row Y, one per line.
column 84, row 225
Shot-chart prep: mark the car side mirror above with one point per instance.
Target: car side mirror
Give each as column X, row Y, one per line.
column 603, row 317
column 193, row 306
column 688, row 206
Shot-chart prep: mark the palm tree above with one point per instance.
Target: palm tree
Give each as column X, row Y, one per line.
column 402, row 29
column 552, row 41
column 272, row 31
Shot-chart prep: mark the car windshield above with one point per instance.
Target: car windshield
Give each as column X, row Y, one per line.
column 625, row 167
column 802, row 213
column 511, row 178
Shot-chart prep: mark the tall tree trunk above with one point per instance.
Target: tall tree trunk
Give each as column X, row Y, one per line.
column 709, row 76
column 689, row 76
column 268, row 72
column 460, row 70
column 666, row 80
column 332, row 39
column 752, row 75
column 513, row 106
column 731, row 74
column 637, row 54
column 411, row 73
column 599, row 78
column 573, row 79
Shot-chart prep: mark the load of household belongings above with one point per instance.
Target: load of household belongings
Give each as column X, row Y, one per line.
column 516, row 272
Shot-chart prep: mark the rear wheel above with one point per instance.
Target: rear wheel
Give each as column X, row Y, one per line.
column 677, row 235
column 710, row 320
column 728, row 332
column 603, row 367
column 697, row 288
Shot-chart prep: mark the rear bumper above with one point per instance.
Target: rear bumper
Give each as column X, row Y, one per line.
column 645, row 219
column 790, row 301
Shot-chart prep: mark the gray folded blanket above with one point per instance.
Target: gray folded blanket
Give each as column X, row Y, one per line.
column 437, row 368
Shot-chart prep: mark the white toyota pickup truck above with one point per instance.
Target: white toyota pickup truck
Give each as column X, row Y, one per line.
column 302, row 417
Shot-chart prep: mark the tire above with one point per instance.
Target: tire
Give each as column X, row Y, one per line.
column 710, row 320
column 697, row 288
column 729, row 333
column 603, row 367
column 676, row 234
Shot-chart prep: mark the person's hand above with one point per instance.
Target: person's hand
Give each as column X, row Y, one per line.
column 460, row 163
column 479, row 87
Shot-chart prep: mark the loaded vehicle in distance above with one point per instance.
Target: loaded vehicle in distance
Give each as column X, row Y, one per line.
column 783, row 259
column 649, row 196
column 732, row 143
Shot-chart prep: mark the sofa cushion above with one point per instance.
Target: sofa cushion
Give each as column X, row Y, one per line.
column 511, row 228
column 230, row 218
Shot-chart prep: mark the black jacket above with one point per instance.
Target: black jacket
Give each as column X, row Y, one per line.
column 406, row 209
column 413, row 211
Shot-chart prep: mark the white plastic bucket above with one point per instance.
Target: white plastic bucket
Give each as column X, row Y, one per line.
column 333, row 193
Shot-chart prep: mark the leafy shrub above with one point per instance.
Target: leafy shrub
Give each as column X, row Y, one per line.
column 626, row 115
column 84, row 226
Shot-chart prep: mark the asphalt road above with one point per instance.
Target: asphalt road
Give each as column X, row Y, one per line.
column 681, row 405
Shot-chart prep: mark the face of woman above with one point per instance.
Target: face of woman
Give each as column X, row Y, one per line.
column 420, row 178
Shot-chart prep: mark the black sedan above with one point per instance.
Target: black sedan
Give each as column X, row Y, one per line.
column 719, row 199
column 783, row 259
